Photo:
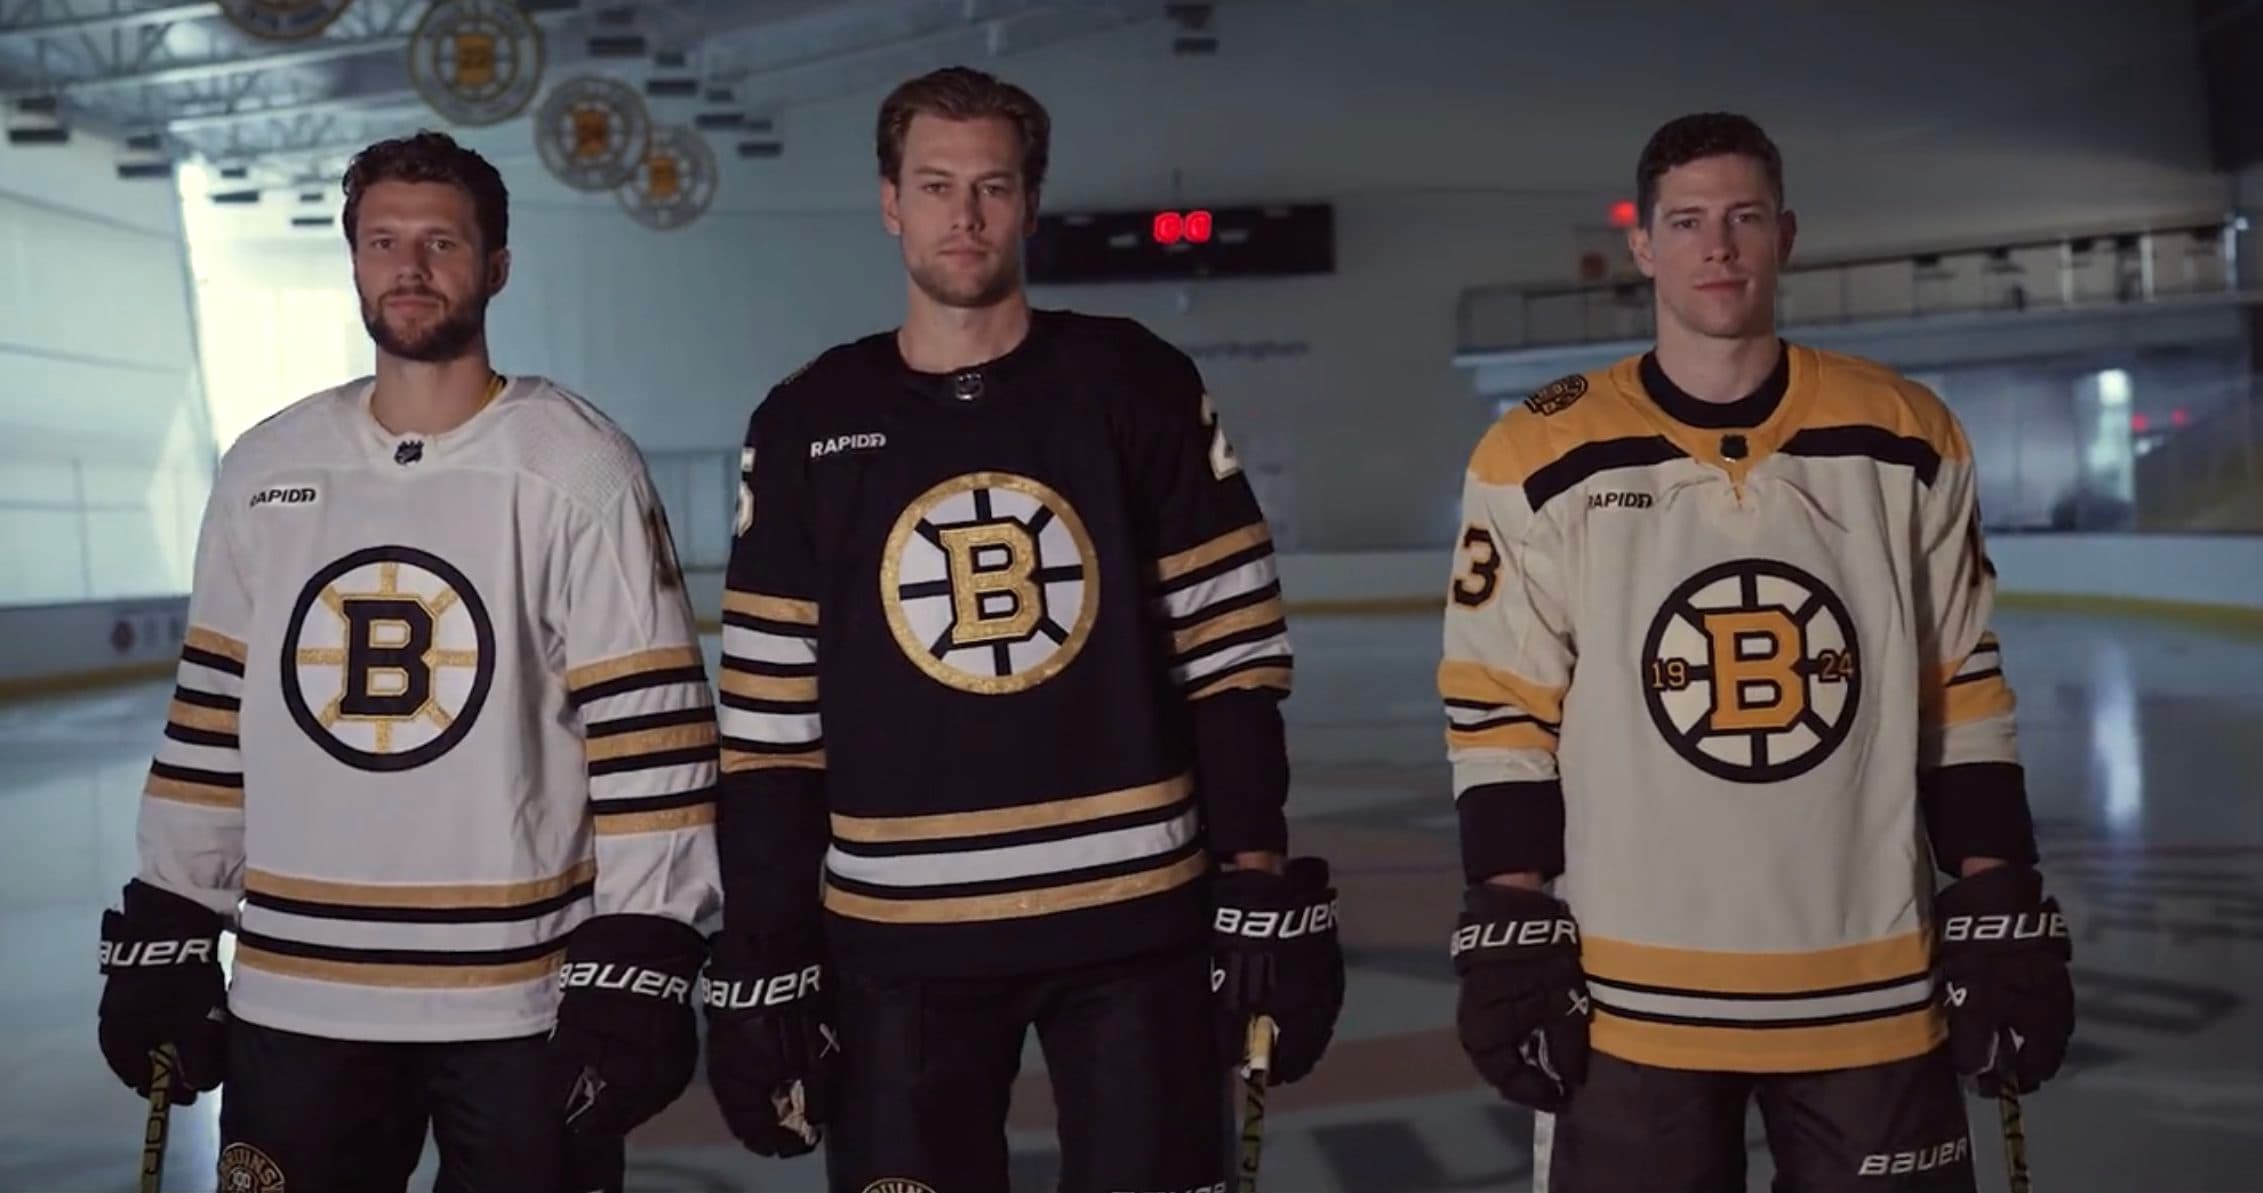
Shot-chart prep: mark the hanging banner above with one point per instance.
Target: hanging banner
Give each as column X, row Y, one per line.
column 593, row 132
column 476, row 61
column 675, row 182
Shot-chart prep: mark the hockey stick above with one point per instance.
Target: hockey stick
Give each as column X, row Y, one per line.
column 162, row 1063
column 2015, row 1141
column 1255, row 1071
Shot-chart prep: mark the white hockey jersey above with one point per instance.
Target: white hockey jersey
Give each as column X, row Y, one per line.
column 1725, row 659
column 441, row 700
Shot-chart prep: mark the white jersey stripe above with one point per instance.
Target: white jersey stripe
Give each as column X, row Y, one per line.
column 1761, row 1010
column 1016, row 861
column 761, row 646
column 1248, row 578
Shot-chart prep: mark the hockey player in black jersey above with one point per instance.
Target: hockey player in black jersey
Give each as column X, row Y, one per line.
column 1001, row 747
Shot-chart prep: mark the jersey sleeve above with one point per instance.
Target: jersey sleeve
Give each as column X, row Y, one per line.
column 1971, row 785
column 772, row 827
column 635, row 677
column 190, row 828
column 1218, row 593
column 1507, row 660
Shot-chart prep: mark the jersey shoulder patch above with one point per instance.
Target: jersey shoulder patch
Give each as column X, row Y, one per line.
column 1558, row 395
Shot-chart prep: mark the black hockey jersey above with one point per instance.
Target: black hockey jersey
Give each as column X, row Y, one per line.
column 1006, row 646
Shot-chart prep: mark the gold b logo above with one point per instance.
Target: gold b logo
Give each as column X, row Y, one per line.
column 989, row 584
column 1750, row 671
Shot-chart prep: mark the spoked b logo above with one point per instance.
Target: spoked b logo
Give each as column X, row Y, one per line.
column 388, row 658
column 1750, row 671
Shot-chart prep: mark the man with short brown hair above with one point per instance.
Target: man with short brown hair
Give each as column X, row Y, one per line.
column 1010, row 554
column 1719, row 665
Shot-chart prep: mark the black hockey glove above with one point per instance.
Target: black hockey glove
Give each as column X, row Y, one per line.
column 2004, row 980
column 1523, row 1010
column 162, row 985
column 627, row 1038
column 1274, row 951
column 771, row 1051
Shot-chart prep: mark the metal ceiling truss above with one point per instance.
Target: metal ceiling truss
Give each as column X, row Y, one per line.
column 292, row 109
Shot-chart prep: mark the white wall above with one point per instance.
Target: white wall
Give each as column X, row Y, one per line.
column 105, row 456
column 1463, row 142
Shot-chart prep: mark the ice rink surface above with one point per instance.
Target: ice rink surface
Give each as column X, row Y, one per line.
column 2144, row 744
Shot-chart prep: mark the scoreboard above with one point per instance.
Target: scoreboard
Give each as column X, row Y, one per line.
column 1151, row 244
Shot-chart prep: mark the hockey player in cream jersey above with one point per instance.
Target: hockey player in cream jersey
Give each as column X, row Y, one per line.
column 1718, row 661
column 442, row 730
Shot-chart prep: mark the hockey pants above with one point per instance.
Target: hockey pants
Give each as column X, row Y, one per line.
column 1890, row 1128
column 1139, row 1090
column 302, row 1112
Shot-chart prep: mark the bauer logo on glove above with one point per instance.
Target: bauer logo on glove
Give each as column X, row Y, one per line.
column 630, row 979
column 774, row 991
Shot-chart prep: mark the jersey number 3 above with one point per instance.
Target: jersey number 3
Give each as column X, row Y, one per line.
column 1475, row 583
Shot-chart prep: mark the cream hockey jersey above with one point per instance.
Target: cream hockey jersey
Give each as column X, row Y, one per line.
column 1737, row 687
column 441, row 701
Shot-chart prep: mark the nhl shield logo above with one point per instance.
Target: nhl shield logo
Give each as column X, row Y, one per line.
column 476, row 61
column 593, row 132
column 989, row 583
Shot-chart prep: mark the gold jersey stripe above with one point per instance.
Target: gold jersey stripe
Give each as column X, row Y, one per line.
column 1710, row 972
column 790, row 688
column 770, row 608
column 1233, row 542
column 662, row 821
column 666, row 658
column 1769, row 1049
column 196, row 716
column 1523, row 735
column 430, row 977
column 739, row 761
column 650, row 741
column 1255, row 677
column 947, row 825
column 1972, row 700
column 212, row 642
column 206, row 795
column 1248, row 617
column 1459, row 679
column 1017, row 904
column 392, row 894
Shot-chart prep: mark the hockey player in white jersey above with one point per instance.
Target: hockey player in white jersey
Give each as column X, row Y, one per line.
column 1719, row 666
column 441, row 755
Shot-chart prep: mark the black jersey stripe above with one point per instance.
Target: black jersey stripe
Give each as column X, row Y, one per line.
column 201, row 737
column 500, row 914
column 1764, row 996
column 1876, row 443
column 283, row 946
column 1027, row 836
column 1898, row 1009
column 1553, row 480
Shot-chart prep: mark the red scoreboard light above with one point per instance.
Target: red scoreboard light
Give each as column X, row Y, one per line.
column 1171, row 227
column 1139, row 243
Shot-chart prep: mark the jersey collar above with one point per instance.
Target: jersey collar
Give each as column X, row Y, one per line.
column 1733, row 437
column 412, row 452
